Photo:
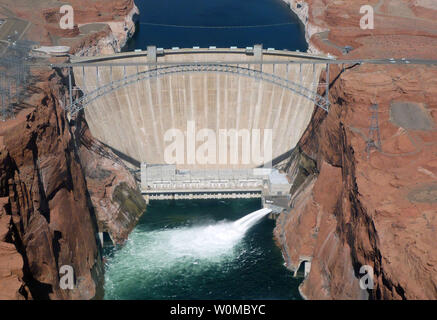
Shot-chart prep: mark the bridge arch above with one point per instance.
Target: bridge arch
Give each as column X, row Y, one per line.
column 163, row 71
column 132, row 100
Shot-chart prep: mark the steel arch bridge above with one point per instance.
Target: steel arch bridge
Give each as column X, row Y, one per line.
column 75, row 106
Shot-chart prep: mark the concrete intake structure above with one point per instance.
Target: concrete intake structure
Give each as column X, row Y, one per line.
column 134, row 119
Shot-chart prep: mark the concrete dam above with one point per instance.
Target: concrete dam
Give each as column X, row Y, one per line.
column 134, row 119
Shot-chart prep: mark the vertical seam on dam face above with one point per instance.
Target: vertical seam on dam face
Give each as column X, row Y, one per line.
column 205, row 98
column 154, row 122
column 190, row 79
column 133, row 119
column 141, row 97
column 217, row 102
column 237, row 126
column 226, row 98
column 258, row 104
column 297, row 110
column 143, row 111
column 171, row 102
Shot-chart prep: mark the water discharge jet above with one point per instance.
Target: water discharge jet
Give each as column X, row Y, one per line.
column 213, row 240
column 168, row 260
column 248, row 221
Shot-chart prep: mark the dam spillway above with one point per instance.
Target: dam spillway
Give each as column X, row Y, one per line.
column 134, row 119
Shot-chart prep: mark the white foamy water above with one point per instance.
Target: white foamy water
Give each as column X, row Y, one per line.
column 212, row 240
column 149, row 255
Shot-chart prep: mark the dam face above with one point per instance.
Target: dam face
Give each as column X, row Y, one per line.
column 134, row 119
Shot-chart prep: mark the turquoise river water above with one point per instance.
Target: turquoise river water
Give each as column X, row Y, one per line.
column 194, row 250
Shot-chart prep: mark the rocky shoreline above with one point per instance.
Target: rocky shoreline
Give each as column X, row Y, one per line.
column 120, row 33
column 301, row 9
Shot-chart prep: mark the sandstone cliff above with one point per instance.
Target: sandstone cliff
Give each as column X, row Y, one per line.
column 352, row 208
column 58, row 186
column 51, row 219
column 113, row 190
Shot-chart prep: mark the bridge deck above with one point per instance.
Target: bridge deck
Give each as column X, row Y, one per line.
column 185, row 51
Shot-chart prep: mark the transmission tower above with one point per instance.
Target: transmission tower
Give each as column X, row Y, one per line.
column 374, row 138
column 14, row 75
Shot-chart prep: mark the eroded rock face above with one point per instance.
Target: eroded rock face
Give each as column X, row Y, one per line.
column 350, row 210
column 57, row 189
column 11, row 262
column 51, row 219
column 113, row 190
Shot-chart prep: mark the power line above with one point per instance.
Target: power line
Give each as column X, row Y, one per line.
column 217, row 27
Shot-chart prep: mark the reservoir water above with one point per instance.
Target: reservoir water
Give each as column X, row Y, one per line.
column 202, row 249
column 242, row 23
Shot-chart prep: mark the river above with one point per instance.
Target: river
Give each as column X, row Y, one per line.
column 193, row 250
